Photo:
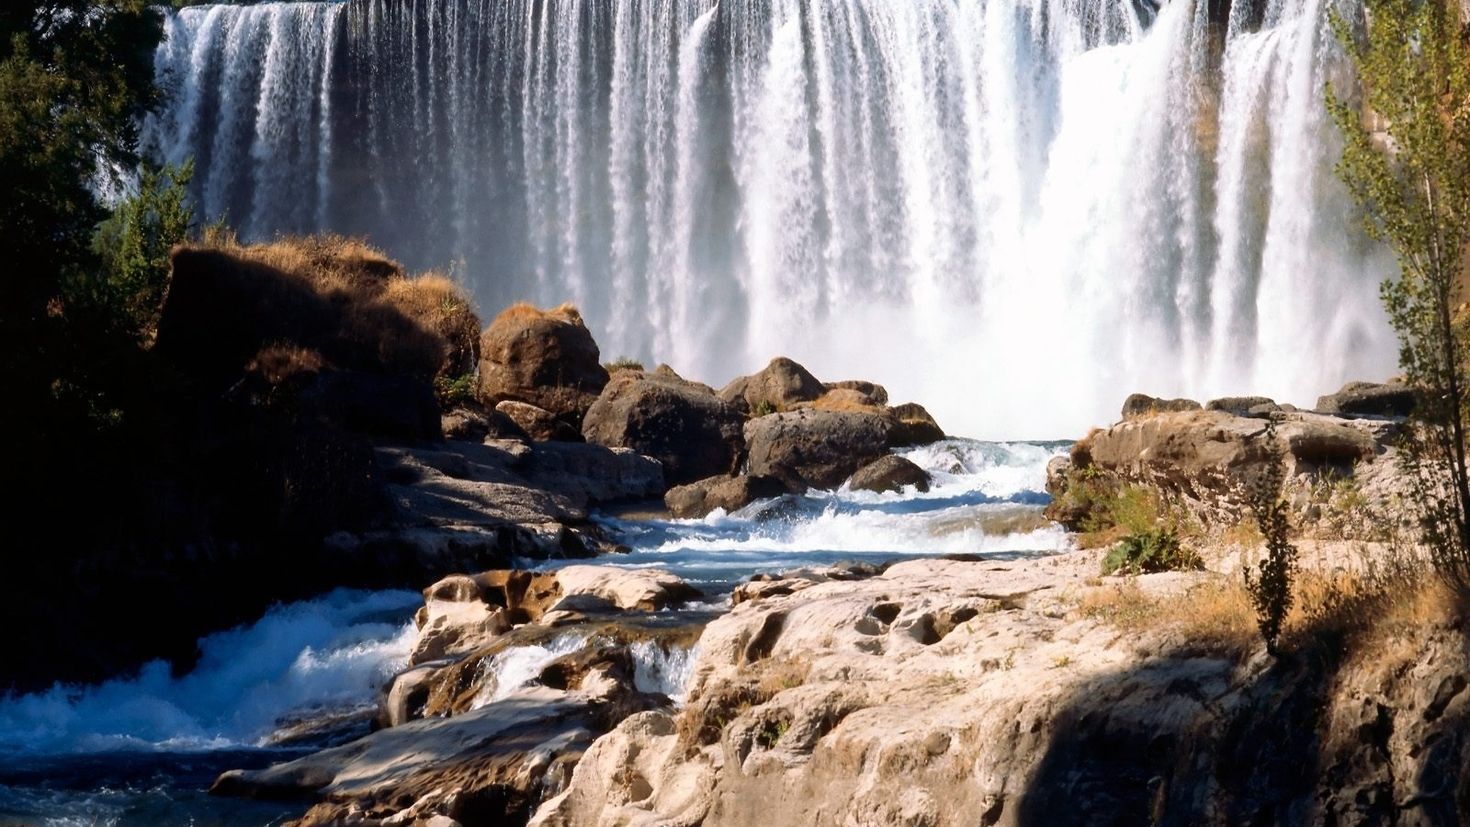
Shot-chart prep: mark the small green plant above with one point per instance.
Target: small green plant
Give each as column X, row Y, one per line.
column 1269, row 581
column 456, row 390
column 763, row 408
column 1149, row 551
column 770, row 733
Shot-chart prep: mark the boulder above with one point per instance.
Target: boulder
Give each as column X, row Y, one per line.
column 874, row 393
column 891, row 473
column 729, row 493
column 646, row 590
column 691, row 431
column 1369, row 399
column 473, row 423
column 1141, row 404
column 915, row 425
column 546, row 358
column 815, row 448
column 1242, row 405
column 537, row 423
column 462, row 613
column 777, row 387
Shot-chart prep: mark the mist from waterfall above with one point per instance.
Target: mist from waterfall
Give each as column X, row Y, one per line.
column 1014, row 211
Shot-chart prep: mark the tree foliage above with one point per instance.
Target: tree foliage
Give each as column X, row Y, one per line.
column 1413, row 181
column 133, row 247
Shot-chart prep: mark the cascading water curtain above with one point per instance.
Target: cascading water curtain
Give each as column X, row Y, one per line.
column 1013, row 211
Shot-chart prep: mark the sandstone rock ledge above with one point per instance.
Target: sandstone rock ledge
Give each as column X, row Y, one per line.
column 942, row 692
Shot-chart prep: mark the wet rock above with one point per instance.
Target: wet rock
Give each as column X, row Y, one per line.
column 1141, row 404
column 681, row 424
column 1369, row 399
column 777, row 387
column 814, row 448
column 538, row 423
column 915, row 426
column 890, row 473
column 729, row 493
column 546, row 358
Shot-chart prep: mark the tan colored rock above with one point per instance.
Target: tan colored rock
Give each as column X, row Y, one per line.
column 538, row 423
column 546, row 358
column 630, row 589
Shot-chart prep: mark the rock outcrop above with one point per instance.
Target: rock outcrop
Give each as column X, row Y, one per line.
column 889, row 473
column 546, row 358
column 815, row 448
column 682, row 424
column 915, row 425
column 699, row 498
column 1369, row 399
column 960, row 693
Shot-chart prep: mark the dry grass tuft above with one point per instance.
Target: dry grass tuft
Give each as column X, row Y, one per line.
column 280, row 363
column 440, row 305
column 843, row 402
column 525, row 311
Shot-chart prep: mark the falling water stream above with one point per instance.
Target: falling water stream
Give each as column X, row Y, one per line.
column 1014, row 211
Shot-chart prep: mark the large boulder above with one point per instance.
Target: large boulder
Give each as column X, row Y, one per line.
column 729, row 493
column 1369, row 399
column 682, row 424
column 538, row 423
column 777, row 387
column 544, row 357
column 815, row 448
column 1141, row 404
column 891, row 473
column 644, row 590
column 871, row 392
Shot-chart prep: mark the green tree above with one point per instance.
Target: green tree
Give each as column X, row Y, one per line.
column 133, row 247
column 1269, row 581
column 1413, row 182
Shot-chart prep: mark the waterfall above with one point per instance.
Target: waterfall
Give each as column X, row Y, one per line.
column 1014, row 211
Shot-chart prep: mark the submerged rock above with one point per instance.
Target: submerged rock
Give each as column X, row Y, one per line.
column 546, row 358
column 890, row 473
column 682, row 424
column 729, row 493
column 815, row 448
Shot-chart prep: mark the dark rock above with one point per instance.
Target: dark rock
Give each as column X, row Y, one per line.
column 730, row 493
column 890, row 473
column 546, row 358
column 1140, row 404
column 915, row 425
column 538, row 423
column 815, row 448
column 378, row 404
column 473, row 423
column 1240, row 405
column 682, row 425
column 1369, row 399
column 777, row 387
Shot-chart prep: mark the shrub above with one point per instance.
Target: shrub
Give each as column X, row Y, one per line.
column 133, row 247
column 457, row 390
column 763, row 408
column 1269, row 581
column 1146, row 552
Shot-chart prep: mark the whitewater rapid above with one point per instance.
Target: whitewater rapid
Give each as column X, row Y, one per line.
column 1016, row 211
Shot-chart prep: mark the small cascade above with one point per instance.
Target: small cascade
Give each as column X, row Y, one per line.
column 663, row 668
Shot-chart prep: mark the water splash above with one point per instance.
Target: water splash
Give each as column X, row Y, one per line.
column 663, row 668
column 517, row 667
column 331, row 653
column 1042, row 204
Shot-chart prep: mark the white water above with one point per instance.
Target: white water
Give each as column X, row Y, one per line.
column 332, row 653
column 1015, row 211
column 516, row 667
column 662, row 669
column 984, row 499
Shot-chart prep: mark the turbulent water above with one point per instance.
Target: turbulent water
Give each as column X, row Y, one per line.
column 1015, row 211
